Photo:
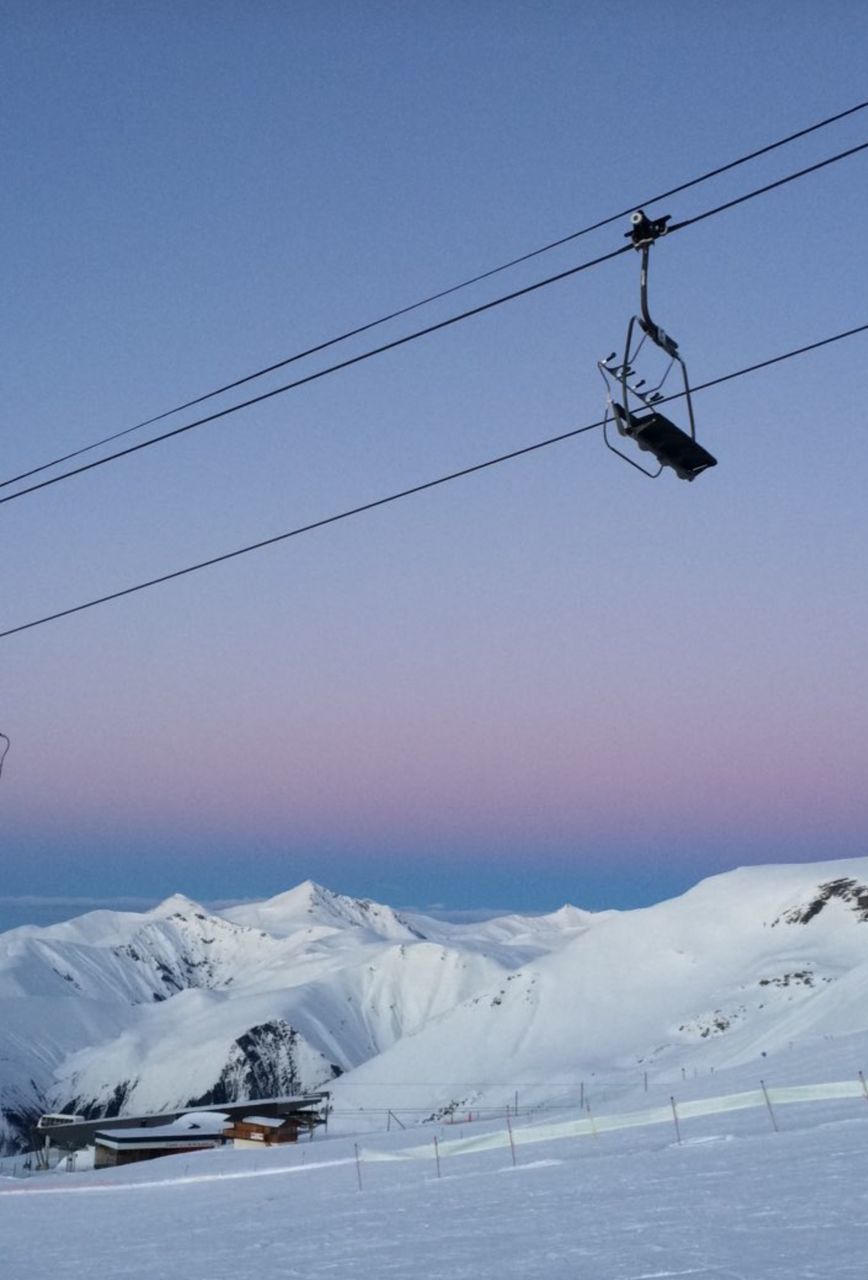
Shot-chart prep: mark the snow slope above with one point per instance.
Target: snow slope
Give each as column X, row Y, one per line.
column 734, row 1200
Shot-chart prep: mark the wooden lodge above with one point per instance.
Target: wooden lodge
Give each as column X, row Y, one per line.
column 268, row 1131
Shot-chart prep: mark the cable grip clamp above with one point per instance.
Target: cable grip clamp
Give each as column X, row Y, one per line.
column 646, row 230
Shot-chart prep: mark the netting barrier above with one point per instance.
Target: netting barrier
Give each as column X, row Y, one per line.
column 586, row 1127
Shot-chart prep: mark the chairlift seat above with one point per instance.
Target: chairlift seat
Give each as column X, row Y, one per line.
column 671, row 446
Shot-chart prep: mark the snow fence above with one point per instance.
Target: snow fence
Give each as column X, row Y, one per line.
column 595, row 1124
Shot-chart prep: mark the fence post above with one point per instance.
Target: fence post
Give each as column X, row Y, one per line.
column 864, row 1085
column 591, row 1119
column 511, row 1139
column 437, row 1155
column 516, row 1103
column 675, row 1119
column 358, row 1165
column 645, row 1078
column 769, row 1105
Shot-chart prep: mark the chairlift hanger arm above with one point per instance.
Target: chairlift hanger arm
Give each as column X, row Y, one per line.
column 644, row 233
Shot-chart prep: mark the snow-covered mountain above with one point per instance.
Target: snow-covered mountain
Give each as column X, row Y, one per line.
column 739, row 968
column 131, row 1012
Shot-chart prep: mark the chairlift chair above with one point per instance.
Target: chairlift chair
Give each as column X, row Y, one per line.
column 634, row 413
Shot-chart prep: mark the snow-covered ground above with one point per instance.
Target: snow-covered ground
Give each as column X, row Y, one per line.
column 734, row 1199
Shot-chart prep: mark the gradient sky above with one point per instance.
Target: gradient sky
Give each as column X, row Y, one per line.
column 551, row 681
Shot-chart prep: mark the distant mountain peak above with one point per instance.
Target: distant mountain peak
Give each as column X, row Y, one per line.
column 177, row 905
column 311, row 903
column 570, row 917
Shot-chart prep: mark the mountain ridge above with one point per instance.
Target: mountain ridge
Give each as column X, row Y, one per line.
column 181, row 1005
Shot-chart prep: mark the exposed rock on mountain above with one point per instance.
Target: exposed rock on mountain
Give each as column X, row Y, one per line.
column 844, row 890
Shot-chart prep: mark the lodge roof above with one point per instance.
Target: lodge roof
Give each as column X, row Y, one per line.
column 167, row 1137
column 202, row 1125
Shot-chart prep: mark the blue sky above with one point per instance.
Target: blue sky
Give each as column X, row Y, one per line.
column 551, row 681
